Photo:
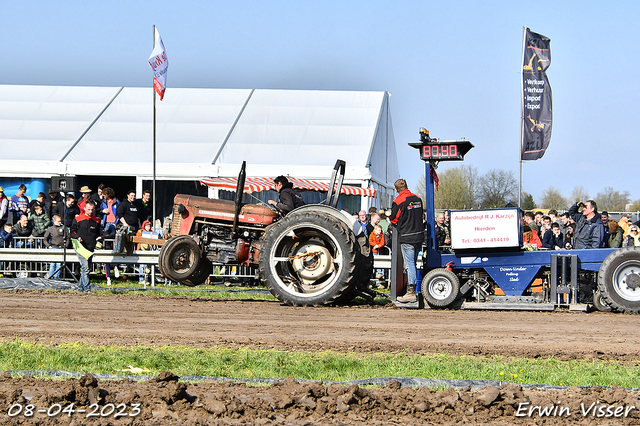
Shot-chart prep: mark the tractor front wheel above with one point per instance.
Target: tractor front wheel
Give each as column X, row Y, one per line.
column 179, row 258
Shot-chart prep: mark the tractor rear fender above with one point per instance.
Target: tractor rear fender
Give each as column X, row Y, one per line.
column 332, row 211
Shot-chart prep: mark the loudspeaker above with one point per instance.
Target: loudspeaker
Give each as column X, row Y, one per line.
column 63, row 183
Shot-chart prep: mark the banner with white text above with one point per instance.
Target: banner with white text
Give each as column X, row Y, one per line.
column 536, row 96
column 159, row 64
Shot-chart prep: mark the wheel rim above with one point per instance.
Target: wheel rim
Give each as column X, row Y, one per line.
column 182, row 258
column 440, row 288
column 626, row 281
column 306, row 260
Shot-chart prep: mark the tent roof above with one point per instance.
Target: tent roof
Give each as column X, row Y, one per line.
column 199, row 132
column 257, row 184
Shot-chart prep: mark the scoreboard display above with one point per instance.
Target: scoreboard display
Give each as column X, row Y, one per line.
column 437, row 150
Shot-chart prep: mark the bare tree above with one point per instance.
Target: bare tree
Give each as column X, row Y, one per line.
column 552, row 198
column 635, row 206
column 456, row 188
column 497, row 188
column 612, row 200
column 578, row 194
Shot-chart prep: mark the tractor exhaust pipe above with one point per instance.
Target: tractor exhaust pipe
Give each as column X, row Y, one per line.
column 239, row 192
column 337, row 176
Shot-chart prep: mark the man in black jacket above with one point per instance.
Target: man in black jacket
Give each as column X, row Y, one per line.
column 54, row 204
column 86, row 230
column 128, row 212
column 406, row 215
column 589, row 230
column 289, row 199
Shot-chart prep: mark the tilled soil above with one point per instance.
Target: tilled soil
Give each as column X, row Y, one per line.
column 53, row 317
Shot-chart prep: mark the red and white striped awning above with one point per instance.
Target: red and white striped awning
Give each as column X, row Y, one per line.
column 257, row 184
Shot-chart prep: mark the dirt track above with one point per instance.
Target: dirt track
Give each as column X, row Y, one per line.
column 139, row 319
column 148, row 320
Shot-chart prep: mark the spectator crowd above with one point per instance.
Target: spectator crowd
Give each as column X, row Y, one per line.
column 49, row 220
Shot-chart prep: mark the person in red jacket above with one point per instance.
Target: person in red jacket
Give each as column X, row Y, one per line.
column 530, row 237
column 406, row 215
column 86, row 230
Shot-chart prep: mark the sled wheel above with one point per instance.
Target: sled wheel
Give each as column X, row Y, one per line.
column 619, row 280
column 308, row 259
column 440, row 288
column 201, row 274
column 600, row 304
column 180, row 258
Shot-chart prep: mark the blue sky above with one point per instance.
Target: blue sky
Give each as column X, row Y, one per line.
column 452, row 67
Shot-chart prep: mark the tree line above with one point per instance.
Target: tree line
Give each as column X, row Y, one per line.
column 463, row 187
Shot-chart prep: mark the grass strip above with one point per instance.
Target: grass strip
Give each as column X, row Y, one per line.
column 248, row 363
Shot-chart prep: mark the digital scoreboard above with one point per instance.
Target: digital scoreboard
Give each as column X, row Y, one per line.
column 437, row 150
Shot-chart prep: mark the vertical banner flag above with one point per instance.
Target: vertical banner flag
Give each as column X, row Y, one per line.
column 159, row 64
column 536, row 96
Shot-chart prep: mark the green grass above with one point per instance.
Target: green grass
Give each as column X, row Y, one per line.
column 246, row 363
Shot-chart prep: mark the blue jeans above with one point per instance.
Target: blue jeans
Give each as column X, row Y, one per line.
column 85, row 267
column 53, row 267
column 410, row 255
column 142, row 277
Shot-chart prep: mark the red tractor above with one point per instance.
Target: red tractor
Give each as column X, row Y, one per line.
column 309, row 257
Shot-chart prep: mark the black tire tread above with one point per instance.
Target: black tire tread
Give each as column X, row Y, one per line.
column 449, row 301
column 329, row 297
column 166, row 252
column 605, row 273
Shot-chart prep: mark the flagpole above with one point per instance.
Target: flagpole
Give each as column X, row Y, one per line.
column 524, row 34
column 153, row 190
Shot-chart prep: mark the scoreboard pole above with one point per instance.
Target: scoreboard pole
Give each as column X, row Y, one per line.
column 430, row 207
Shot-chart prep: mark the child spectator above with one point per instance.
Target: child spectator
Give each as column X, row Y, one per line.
column 146, row 232
column 37, row 202
column 553, row 238
column 54, row 239
column 6, row 235
column 40, row 220
column 376, row 239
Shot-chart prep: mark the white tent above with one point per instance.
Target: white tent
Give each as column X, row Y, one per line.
column 201, row 133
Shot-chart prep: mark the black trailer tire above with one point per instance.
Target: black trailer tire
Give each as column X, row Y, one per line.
column 201, row 274
column 180, row 257
column 599, row 303
column 440, row 288
column 309, row 259
column 619, row 280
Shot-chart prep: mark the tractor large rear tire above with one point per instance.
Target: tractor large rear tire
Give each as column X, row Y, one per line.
column 309, row 259
column 180, row 257
column 619, row 280
column 440, row 288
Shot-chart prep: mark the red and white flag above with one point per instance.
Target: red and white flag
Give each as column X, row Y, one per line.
column 159, row 64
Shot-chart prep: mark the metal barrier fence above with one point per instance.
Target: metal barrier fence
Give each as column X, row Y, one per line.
column 27, row 256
